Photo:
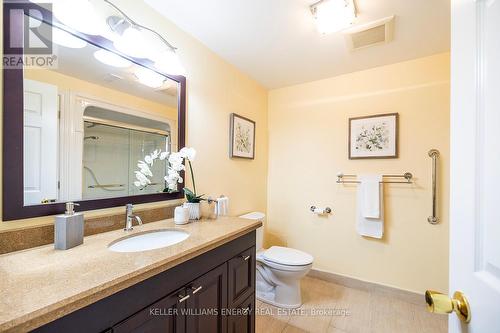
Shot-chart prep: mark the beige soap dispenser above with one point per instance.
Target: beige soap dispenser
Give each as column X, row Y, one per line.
column 68, row 228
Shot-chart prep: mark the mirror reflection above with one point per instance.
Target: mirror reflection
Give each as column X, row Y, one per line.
column 89, row 120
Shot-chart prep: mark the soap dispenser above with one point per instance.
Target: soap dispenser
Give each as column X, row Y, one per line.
column 68, row 228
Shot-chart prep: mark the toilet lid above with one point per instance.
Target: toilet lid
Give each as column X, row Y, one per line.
column 287, row 256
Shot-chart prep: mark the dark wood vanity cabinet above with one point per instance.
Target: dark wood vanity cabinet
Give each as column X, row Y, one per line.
column 213, row 292
column 198, row 307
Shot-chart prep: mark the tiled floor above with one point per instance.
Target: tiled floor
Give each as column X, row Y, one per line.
column 332, row 308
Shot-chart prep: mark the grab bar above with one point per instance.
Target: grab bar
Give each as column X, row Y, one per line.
column 434, row 154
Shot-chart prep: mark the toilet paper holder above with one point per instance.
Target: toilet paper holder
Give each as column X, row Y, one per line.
column 326, row 210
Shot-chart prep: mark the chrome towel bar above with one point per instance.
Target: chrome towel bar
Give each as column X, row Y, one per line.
column 407, row 176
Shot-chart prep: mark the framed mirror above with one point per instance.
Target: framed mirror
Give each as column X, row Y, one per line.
column 75, row 131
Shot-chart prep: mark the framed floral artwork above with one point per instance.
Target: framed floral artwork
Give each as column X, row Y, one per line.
column 242, row 134
column 374, row 136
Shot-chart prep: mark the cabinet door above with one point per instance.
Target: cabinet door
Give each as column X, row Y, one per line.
column 242, row 318
column 207, row 302
column 241, row 277
column 165, row 316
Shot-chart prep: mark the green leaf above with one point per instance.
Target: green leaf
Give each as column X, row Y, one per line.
column 192, row 197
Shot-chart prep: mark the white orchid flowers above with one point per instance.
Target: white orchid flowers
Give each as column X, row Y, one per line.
column 144, row 173
column 173, row 177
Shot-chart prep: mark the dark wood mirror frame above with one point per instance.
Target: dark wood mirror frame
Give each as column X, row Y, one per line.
column 13, row 113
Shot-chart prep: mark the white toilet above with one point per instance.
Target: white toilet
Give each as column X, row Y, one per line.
column 279, row 270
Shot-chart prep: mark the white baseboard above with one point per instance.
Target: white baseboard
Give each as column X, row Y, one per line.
column 404, row 295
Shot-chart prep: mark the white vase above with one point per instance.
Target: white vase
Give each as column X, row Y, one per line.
column 194, row 210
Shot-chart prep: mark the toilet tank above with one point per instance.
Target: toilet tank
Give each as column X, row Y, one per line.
column 258, row 216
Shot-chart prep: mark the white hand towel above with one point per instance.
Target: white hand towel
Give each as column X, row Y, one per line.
column 370, row 226
column 222, row 207
column 369, row 188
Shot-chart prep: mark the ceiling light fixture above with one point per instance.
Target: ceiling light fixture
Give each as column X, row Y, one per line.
column 149, row 78
column 333, row 15
column 66, row 39
column 111, row 59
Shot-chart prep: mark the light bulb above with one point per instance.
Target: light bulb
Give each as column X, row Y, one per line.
column 134, row 43
column 66, row 39
column 149, row 78
column 169, row 63
column 111, row 59
column 79, row 15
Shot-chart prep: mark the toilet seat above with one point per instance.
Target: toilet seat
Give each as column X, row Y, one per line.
column 285, row 267
column 285, row 259
column 287, row 256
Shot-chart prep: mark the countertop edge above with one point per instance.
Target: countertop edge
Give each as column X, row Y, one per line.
column 58, row 310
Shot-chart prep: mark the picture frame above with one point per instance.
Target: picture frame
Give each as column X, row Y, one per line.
column 374, row 136
column 242, row 137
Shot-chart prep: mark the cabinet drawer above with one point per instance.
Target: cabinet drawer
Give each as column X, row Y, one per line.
column 241, row 277
column 242, row 318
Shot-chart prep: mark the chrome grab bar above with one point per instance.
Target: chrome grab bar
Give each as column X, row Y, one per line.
column 434, row 154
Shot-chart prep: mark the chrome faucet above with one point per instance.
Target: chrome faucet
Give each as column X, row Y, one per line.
column 130, row 218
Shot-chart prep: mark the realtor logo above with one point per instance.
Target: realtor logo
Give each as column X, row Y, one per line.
column 28, row 35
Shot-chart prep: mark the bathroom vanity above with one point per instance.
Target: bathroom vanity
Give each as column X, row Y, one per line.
column 203, row 284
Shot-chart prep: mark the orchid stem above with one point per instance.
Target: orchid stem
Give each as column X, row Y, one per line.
column 192, row 177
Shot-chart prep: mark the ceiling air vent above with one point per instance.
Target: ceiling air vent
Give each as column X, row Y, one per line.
column 370, row 34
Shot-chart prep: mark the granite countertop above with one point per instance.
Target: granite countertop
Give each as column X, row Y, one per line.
column 40, row 285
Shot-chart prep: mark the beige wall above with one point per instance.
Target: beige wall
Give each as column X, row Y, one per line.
column 308, row 133
column 214, row 90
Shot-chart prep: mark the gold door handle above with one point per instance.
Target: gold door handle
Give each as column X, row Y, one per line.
column 443, row 304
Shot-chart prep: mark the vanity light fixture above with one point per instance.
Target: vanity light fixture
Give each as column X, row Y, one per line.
column 149, row 78
column 111, row 59
column 66, row 39
column 333, row 15
column 128, row 36
column 139, row 41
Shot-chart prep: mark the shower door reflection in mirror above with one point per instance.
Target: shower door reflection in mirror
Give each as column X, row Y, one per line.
column 89, row 120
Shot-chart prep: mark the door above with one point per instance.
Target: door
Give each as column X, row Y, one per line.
column 241, row 283
column 165, row 316
column 40, row 142
column 475, row 162
column 242, row 318
column 208, row 302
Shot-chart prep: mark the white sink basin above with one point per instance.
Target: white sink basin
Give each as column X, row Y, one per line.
column 149, row 241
